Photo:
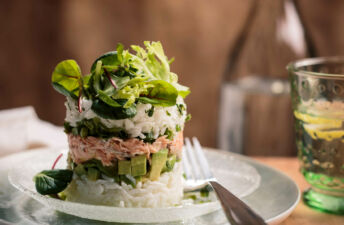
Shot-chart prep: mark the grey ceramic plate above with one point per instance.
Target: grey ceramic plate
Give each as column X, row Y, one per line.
column 274, row 199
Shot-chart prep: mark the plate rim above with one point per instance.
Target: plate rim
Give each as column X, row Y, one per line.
column 280, row 217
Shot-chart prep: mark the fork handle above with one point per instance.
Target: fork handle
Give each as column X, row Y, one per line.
column 237, row 212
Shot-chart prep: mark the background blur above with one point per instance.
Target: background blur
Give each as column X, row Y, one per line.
column 213, row 42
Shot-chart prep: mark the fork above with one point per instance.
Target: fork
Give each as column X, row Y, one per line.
column 198, row 173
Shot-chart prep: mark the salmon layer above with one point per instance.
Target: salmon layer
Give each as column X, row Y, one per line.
column 109, row 150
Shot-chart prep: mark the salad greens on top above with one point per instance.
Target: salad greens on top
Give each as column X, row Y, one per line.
column 120, row 79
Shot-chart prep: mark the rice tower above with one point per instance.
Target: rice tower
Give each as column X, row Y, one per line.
column 125, row 124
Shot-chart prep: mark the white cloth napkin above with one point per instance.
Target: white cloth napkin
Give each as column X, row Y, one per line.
column 21, row 129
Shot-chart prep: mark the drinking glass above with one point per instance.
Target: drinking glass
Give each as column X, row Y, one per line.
column 317, row 92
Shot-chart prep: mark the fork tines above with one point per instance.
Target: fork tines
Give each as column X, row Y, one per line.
column 195, row 164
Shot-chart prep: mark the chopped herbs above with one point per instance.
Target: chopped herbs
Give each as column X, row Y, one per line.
column 150, row 111
column 205, row 191
column 149, row 137
column 188, row 117
column 178, row 128
column 199, row 196
column 128, row 179
column 67, row 127
column 93, row 127
column 193, row 197
column 168, row 113
column 169, row 134
column 181, row 108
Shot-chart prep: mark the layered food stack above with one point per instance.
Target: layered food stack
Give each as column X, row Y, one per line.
column 125, row 124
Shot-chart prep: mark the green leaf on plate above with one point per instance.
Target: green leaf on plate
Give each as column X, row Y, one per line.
column 52, row 181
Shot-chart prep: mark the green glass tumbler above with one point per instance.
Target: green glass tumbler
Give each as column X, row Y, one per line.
column 317, row 93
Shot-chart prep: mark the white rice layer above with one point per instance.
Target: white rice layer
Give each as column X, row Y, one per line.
column 167, row 191
column 163, row 118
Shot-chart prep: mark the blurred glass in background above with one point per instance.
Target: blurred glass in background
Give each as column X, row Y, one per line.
column 255, row 110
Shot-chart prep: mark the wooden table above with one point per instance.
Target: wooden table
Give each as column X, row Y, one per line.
column 302, row 214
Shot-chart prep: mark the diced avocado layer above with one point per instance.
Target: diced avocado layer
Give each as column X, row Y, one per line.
column 137, row 169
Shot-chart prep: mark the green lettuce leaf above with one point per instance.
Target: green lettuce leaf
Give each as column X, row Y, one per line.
column 157, row 61
column 134, row 88
column 107, row 99
column 182, row 90
column 161, row 93
column 153, row 63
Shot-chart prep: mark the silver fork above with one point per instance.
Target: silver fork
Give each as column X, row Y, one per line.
column 198, row 173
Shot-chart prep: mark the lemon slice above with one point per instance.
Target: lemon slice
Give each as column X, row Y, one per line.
column 334, row 123
column 320, row 127
column 324, row 134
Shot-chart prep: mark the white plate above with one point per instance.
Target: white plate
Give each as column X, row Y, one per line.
column 241, row 178
column 274, row 199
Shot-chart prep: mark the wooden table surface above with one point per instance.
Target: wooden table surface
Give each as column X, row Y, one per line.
column 302, row 214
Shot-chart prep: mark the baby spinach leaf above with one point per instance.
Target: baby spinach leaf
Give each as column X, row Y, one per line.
column 66, row 78
column 108, row 59
column 52, row 181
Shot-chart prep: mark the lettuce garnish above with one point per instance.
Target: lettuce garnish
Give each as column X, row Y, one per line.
column 119, row 79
